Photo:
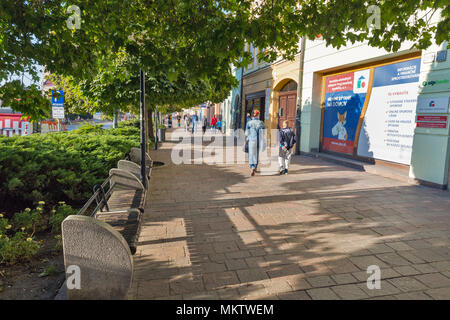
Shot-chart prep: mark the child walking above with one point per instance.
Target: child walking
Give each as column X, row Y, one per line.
column 287, row 139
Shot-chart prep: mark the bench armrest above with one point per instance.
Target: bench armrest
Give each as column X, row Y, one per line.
column 135, row 156
column 125, row 179
column 102, row 256
column 132, row 167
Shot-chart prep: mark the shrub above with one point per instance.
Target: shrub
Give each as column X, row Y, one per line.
column 130, row 123
column 18, row 248
column 4, row 224
column 58, row 215
column 58, row 245
column 17, row 244
column 30, row 220
column 62, row 166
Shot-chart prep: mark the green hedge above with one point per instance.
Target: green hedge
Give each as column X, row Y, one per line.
column 61, row 166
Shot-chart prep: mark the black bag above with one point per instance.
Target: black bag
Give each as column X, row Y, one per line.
column 246, row 146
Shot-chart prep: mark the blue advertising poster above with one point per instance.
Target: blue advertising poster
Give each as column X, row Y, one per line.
column 344, row 99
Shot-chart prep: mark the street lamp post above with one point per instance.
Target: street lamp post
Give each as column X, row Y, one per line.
column 143, row 135
column 156, row 128
column 299, row 95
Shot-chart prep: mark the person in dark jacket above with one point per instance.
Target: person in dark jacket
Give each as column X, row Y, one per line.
column 287, row 139
column 205, row 124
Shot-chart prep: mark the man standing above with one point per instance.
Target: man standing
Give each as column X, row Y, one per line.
column 254, row 132
column 287, row 139
column 194, row 120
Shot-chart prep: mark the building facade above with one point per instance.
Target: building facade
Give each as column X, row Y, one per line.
column 361, row 103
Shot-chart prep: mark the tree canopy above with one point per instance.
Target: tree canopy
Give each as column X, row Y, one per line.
column 184, row 45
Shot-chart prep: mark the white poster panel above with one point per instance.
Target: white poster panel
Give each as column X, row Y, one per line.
column 388, row 128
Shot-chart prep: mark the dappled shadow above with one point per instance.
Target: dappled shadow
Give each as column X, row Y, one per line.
column 214, row 232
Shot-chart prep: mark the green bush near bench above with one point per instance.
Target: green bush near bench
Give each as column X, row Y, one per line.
column 61, row 166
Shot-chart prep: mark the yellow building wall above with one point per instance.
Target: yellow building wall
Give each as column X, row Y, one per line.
column 255, row 82
column 273, row 77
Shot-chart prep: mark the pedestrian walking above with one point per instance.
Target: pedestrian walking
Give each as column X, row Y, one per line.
column 178, row 120
column 287, row 139
column 194, row 120
column 219, row 125
column 213, row 124
column 170, row 121
column 204, row 124
column 187, row 122
column 254, row 133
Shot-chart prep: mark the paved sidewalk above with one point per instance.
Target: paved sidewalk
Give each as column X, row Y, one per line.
column 214, row 232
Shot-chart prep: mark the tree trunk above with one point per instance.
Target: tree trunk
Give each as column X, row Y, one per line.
column 116, row 119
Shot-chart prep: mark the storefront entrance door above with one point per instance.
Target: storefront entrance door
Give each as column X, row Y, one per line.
column 287, row 108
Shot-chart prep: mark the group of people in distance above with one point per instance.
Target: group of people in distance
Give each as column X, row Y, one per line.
column 193, row 119
column 254, row 136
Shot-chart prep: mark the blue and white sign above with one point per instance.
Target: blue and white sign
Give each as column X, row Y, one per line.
column 58, row 105
column 397, row 73
column 432, row 105
column 58, row 101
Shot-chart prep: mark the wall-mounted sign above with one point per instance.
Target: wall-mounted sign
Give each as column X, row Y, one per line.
column 431, row 121
column 434, row 125
column 432, row 118
column 441, row 56
column 432, row 105
column 438, row 82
